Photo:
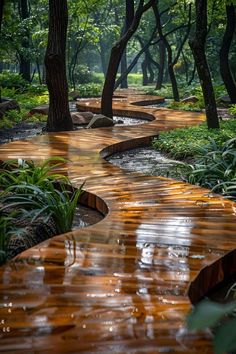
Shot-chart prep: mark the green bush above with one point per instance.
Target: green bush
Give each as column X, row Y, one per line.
column 27, row 101
column 89, row 90
column 30, row 191
column 12, row 80
column 185, row 142
column 215, row 168
column 83, row 74
column 232, row 110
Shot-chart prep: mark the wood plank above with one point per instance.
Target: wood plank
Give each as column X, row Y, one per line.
column 120, row 286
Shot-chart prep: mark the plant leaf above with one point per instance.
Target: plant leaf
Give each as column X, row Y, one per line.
column 207, row 314
column 225, row 337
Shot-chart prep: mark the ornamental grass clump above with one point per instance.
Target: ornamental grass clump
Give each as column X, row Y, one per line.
column 37, row 202
column 32, row 193
column 215, row 168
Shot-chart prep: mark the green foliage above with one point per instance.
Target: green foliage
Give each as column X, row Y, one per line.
column 12, row 80
column 5, row 229
column 187, row 106
column 51, row 202
column 210, row 314
column 185, row 142
column 215, row 167
column 232, row 110
column 30, row 191
column 89, row 90
column 33, row 97
column 22, row 172
column 83, row 75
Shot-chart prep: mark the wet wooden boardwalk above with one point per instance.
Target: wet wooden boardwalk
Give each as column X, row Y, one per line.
column 120, row 286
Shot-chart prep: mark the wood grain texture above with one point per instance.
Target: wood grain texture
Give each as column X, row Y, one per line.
column 120, row 286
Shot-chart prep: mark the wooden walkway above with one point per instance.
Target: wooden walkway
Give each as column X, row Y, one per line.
column 120, row 286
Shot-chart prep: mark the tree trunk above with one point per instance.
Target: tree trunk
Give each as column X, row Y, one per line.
column 129, row 16
column 24, row 61
column 162, row 51
column 145, row 73
column 1, row 17
column 59, row 118
column 197, row 45
column 1, row 13
column 225, row 70
column 115, row 58
column 123, row 68
column 169, row 53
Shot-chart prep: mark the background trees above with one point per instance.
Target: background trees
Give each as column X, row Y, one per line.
column 109, row 37
column 59, row 118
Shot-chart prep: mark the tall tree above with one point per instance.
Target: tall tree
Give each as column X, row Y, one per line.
column 59, row 118
column 129, row 16
column 24, row 60
column 1, row 17
column 225, row 69
column 1, row 13
column 197, row 45
column 116, row 55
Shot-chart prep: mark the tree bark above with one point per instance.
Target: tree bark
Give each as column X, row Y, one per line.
column 59, row 118
column 115, row 58
column 160, row 77
column 197, row 45
column 24, row 61
column 1, row 17
column 169, row 53
column 129, row 16
column 225, row 70
column 1, row 13
column 123, row 68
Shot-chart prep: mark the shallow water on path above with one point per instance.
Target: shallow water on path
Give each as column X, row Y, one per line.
column 146, row 160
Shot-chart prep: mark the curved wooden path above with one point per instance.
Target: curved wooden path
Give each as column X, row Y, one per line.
column 120, row 286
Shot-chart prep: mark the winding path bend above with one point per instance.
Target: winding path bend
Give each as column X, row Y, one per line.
column 120, row 286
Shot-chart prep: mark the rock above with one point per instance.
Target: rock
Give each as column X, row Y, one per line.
column 87, row 115
column 225, row 99
column 100, row 121
column 74, row 95
column 40, row 110
column 79, row 119
column 8, row 104
column 190, row 99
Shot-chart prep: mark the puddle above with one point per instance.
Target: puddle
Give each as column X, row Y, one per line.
column 146, row 160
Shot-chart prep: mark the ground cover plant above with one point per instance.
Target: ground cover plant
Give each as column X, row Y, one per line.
column 211, row 155
column 32, row 192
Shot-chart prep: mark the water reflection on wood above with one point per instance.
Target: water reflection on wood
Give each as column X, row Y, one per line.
column 120, row 286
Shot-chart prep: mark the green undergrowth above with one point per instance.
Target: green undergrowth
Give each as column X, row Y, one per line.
column 30, row 192
column 27, row 101
column 185, row 142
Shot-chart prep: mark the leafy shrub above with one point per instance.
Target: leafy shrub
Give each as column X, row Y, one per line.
column 187, row 106
column 232, row 110
column 221, row 317
column 27, row 101
column 216, row 167
column 5, row 227
column 18, row 172
column 185, row 142
column 36, row 202
column 83, row 74
column 29, row 192
column 12, row 80
column 89, row 90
